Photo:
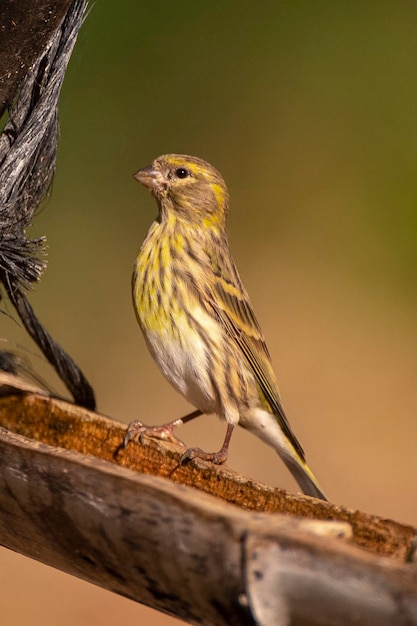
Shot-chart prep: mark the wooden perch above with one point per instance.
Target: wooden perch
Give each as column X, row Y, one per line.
column 140, row 525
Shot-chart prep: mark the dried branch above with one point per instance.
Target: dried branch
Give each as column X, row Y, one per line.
column 28, row 146
column 66, row 499
column 26, row 27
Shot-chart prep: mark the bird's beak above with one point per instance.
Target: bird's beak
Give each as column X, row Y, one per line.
column 150, row 177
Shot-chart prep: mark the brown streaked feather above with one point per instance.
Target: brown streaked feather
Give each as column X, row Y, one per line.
column 231, row 304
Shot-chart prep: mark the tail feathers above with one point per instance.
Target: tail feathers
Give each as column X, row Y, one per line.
column 304, row 477
column 266, row 426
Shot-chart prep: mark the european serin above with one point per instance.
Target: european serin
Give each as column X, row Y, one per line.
column 197, row 319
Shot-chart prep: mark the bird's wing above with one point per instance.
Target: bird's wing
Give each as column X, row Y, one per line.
column 231, row 304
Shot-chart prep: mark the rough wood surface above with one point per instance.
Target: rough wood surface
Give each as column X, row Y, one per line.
column 26, row 27
column 131, row 523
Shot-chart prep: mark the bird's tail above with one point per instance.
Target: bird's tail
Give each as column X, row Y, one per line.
column 266, row 426
column 304, row 476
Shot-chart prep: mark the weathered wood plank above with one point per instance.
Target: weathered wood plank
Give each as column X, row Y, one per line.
column 66, row 501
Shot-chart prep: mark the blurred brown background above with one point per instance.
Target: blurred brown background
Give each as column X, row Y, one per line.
column 310, row 112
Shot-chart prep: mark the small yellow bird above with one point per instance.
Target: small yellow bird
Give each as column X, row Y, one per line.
column 197, row 319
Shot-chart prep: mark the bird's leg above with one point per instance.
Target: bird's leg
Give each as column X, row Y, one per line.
column 215, row 457
column 138, row 430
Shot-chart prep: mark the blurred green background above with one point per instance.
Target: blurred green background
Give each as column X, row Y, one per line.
column 309, row 110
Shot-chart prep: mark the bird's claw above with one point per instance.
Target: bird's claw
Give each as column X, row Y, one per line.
column 218, row 458
column 138, row 430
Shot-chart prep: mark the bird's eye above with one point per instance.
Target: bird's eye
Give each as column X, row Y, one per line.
column 181, row 172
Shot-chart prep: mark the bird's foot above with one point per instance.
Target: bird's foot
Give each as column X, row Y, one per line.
column 138, row 430
column 215, row 457
column 197, row 453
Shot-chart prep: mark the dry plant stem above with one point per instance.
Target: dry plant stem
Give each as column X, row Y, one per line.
column 28, row 146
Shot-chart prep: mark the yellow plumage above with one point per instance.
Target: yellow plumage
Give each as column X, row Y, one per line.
column 196, row 316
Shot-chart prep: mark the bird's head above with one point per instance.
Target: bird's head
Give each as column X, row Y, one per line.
column 188, row 188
